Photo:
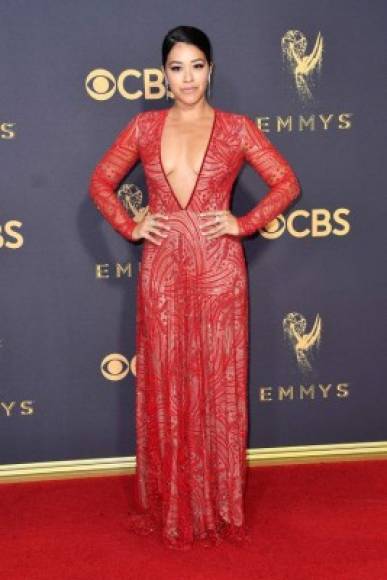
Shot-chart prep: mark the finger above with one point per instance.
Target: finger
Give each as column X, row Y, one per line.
column 216, row 235
column 219, row 228
column 157, row 233
column 161, row 225
column 161, row 215
column 154, row 229
column 209, row 213
column 160, row 228
column 208, row 224
column 152, row 239
column 217, row 231
column 214, row 212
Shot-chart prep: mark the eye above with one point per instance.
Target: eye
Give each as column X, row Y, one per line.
column 174, row 68
column 199, row 65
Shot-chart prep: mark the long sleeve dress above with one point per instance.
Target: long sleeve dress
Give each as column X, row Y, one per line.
column 192, row 328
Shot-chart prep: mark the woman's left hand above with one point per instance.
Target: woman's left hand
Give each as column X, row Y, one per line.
column 223, row 222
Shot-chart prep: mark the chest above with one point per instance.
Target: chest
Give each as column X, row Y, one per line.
column 184, row 146
column 161, row 147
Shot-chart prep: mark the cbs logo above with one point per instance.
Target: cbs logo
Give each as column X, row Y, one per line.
column 115, row 366
column 101, row 85
column 317, row 223
column 10, row 236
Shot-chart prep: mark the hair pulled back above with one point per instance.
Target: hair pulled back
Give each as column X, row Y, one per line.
column 189, row 34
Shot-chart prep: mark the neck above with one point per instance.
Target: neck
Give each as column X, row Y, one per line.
column 191, row 112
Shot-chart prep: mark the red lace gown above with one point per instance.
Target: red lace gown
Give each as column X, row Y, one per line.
column 192, row 329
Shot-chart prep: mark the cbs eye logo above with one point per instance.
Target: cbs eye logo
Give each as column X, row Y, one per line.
column 101, row 84
column 10, row 236
column 115, row 366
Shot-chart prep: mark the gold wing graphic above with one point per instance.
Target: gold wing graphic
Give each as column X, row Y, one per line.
column 309, row 339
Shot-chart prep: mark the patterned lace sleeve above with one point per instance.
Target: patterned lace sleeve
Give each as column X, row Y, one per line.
column 108, row 173
column 267, row 161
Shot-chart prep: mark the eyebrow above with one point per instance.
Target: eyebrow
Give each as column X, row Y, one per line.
column 180, row 62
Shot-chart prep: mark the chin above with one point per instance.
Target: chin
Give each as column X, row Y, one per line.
column 189, row 97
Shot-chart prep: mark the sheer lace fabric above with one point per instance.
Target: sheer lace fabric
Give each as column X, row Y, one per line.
column 192, row 330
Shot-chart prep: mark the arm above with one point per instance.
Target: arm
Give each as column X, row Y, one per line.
column 267, row 161
column 108, row 173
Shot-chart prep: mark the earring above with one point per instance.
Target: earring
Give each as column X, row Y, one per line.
column 208, row 85
column 166, row 87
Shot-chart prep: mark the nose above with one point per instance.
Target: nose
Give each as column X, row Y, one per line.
column 187, row 75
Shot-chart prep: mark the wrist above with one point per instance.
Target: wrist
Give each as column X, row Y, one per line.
column 241, row 227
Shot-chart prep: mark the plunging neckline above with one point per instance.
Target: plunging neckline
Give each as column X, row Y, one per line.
column 164, row 118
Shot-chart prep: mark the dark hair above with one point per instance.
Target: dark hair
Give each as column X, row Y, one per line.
column 188, row 34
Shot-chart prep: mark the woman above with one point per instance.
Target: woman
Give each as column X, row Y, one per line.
column 192, row 302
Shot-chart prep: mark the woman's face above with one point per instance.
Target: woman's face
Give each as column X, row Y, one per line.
column 187, row 72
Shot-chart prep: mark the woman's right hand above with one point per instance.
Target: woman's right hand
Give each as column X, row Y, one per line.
column 150, row 227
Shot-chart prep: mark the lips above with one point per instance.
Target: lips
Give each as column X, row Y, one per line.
column 188, row 89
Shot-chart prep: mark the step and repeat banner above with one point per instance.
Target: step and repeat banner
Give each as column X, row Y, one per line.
column 315, row 80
